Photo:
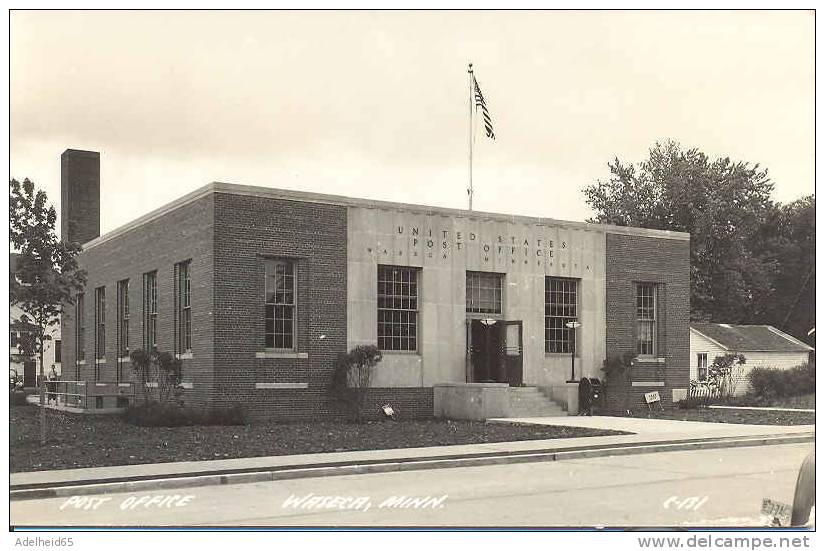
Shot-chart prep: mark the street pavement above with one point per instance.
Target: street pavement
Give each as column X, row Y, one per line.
column 715, row 487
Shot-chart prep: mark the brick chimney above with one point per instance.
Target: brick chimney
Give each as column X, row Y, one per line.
column 79, row 195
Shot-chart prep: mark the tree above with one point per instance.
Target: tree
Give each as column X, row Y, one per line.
column 723, row 204
column 788, row 240
column 47, row 274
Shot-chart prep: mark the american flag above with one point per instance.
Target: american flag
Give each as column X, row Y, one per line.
column 488, row 122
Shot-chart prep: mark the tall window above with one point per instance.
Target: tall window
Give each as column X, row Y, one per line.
column 279, row 305
column 58, row 351
column 123, row 318
column 397, row 308
column 483, row 293
column 100, row 327
column 560, row 308
column 150, row 310
column 183, row 309
column 80, row 331
column 13, row 339
column 646, row 319
column 702, row 366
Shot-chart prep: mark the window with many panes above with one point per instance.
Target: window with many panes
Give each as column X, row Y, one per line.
column 646, row 319
column 123, row 318
column 561, row 306
column 150, row 310
column 702, row 366
column 100, row 327
column 397, row 308
column 183, row 308
column 80, row 330
column 483, row 293
column 58, row 351
column 279, row 305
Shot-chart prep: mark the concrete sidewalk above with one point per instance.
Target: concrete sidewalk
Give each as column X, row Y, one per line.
column 650, row 435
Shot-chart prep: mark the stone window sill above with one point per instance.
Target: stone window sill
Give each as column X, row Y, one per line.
column 100, row 361
column 281, row 354
column 124, row 359
column 184, row 356
column 650, row 360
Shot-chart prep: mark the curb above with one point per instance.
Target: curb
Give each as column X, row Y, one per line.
column 414, row 464
column 755, row 408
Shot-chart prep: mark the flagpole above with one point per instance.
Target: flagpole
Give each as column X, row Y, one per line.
column 470, row 189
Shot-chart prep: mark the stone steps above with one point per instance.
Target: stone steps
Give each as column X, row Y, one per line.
column 531, row 402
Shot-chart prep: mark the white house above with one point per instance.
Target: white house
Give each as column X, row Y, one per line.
column 762, row 346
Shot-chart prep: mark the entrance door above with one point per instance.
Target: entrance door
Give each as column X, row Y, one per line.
column 495, row 351
column 512, row 352
column 484, row 352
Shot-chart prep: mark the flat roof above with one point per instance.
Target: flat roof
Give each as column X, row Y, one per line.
column 312, row 197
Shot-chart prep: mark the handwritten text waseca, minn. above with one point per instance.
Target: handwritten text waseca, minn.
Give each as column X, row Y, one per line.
column 362, row 503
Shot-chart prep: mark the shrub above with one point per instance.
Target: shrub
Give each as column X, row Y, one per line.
column 692, row 402
column 770, row 383
column 351, row 378
column 156, row 414
column 725, row 373
column 168, row 414
column 617, row 371
column 160, row 368
column 234, row 415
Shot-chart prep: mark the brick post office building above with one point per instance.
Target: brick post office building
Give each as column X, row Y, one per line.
column 258, row 290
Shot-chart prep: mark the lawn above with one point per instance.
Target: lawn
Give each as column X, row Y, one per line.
column 94, row 441
column 739, row 416
column 806, row 401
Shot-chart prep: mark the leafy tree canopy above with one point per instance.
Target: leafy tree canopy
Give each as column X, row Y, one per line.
column 747, row 253
column 46, row 274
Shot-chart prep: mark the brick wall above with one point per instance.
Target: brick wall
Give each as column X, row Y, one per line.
column 184, row 233
column 247, row 231
column 665, row 262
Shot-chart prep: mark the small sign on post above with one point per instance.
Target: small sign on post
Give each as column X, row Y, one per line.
column 652, row 398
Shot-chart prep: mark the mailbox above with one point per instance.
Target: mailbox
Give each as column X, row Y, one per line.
column 591, row 395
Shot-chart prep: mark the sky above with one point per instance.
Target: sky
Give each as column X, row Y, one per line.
column 376, row 104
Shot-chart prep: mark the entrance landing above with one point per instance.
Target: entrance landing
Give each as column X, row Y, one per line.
column 482, row 401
